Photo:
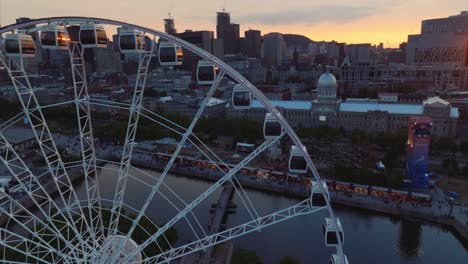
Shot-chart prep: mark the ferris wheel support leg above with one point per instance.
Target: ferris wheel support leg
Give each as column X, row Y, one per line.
column 88, row 153
column 185, row 137
column 21, row 173
column 228, row 176
column 44, row 139
column 135, row 109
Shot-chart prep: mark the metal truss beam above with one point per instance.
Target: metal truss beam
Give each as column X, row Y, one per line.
column 174, row 155
column 34, row 189
column 125, row 163
column 85, row 128
column 228, row 176
column 44, row 139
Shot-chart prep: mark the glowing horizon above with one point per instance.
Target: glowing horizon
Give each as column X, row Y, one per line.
column 358, row 21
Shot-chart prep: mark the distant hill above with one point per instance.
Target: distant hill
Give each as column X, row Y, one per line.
column 296, row 40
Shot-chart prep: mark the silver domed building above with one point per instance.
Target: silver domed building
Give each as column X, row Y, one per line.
column 326, row 100
column 372, row 115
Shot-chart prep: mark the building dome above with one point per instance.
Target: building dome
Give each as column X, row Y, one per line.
column 327, row 79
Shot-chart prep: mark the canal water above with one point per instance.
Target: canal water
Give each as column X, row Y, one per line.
column 369, row 238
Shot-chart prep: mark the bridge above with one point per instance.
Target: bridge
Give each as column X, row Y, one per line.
column 219, row 212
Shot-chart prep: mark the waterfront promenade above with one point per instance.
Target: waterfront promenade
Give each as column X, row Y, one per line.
column 440, row 211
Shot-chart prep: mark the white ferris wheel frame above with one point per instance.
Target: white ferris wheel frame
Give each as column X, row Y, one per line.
column 33, row 112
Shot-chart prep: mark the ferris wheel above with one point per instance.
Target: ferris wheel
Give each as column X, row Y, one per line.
column 46, row 219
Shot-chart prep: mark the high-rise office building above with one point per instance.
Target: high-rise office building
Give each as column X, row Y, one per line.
column 202, row 39
column 442, row 41
column 253, row 43
column 273, row 49
column 169, row 26
column 228, row 32
column 359, row 54
column 223, row 18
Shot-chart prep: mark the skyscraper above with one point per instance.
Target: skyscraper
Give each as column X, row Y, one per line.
column 419, row 138
column 202, row 39
column 169, row 26
column 253, row 43
column 273, row 49
column 223, row 18
column 228, row 32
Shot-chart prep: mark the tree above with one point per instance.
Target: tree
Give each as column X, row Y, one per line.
column 464, row 147
column 289, row 260
column 244, row 256
column 451, row 166
column 465, row 171
column 444, row 144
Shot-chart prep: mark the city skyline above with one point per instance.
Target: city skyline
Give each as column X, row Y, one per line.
column 360, row 21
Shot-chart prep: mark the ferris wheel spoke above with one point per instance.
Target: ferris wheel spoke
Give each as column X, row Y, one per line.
column 23, row 217
column 22, row 246
column 43, row 135
column 127, row 152
column 185, row 137
column 266, row 144
column 234, row 181
column 88, row 154
column 21, row 173
column 171, row 202
column 302, row 208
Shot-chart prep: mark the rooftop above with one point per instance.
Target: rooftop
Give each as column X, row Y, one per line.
column 362, row 107
column 402, row 109
column 215, row 101
column 293, row 105
column 16, row 135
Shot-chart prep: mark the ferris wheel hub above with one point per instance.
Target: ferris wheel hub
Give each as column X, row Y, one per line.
column 118, row 242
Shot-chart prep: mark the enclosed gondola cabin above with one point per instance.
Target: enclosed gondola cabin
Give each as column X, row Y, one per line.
column 331, row 232
column 335, row 259
column 131, row 40
column 54, row 37
column 206, row 73
column 20, row 45
column 241, row 97
column 318, row 198
column 170, row 54
column 297, row 161
column 93, row 36
column 271, row 127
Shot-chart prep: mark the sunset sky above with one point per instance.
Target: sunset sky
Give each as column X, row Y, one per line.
column 351, row 21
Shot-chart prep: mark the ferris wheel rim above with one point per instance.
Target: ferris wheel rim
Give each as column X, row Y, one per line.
column 206, row 56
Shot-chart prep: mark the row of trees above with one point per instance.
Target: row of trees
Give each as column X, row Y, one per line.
column 243, row 130
column 448, row 145
column 452, row 168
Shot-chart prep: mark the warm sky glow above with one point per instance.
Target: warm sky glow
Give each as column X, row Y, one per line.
column 352, row 21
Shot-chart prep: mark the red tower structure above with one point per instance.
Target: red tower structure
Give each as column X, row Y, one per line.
column 419, row 139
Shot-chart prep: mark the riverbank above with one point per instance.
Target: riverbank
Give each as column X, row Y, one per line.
column 407, row 212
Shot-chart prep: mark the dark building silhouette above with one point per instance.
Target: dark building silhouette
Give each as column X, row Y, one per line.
column 202, row 39
column 169, row 26
column 228, row 32
column 253, row 43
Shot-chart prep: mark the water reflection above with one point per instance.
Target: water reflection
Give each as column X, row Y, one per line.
column 409, row 239
column 388, row 240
